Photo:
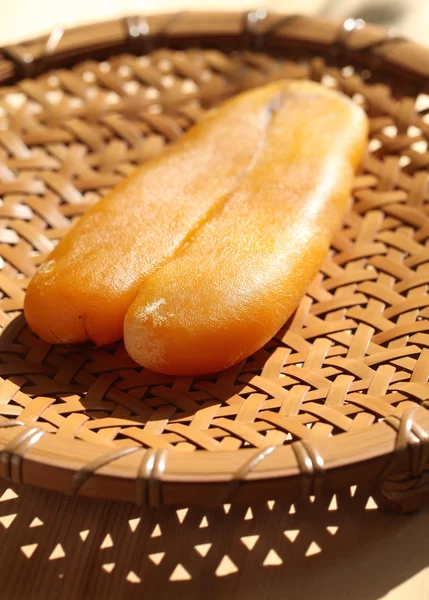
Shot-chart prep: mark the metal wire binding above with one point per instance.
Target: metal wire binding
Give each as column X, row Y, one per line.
column 311, row 465
column 149, row 477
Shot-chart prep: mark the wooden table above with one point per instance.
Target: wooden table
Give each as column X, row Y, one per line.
column 335, row 547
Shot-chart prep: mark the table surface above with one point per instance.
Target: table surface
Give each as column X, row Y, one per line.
column 333, row 547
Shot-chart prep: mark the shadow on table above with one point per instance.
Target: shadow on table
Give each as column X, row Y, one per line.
column 337, row 546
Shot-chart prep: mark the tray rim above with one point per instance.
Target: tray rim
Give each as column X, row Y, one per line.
column 155, row 476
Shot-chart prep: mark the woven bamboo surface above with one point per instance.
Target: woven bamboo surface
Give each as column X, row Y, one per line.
column 338, row 396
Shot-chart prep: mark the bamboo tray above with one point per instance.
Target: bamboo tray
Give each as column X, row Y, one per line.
column 340, row 395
